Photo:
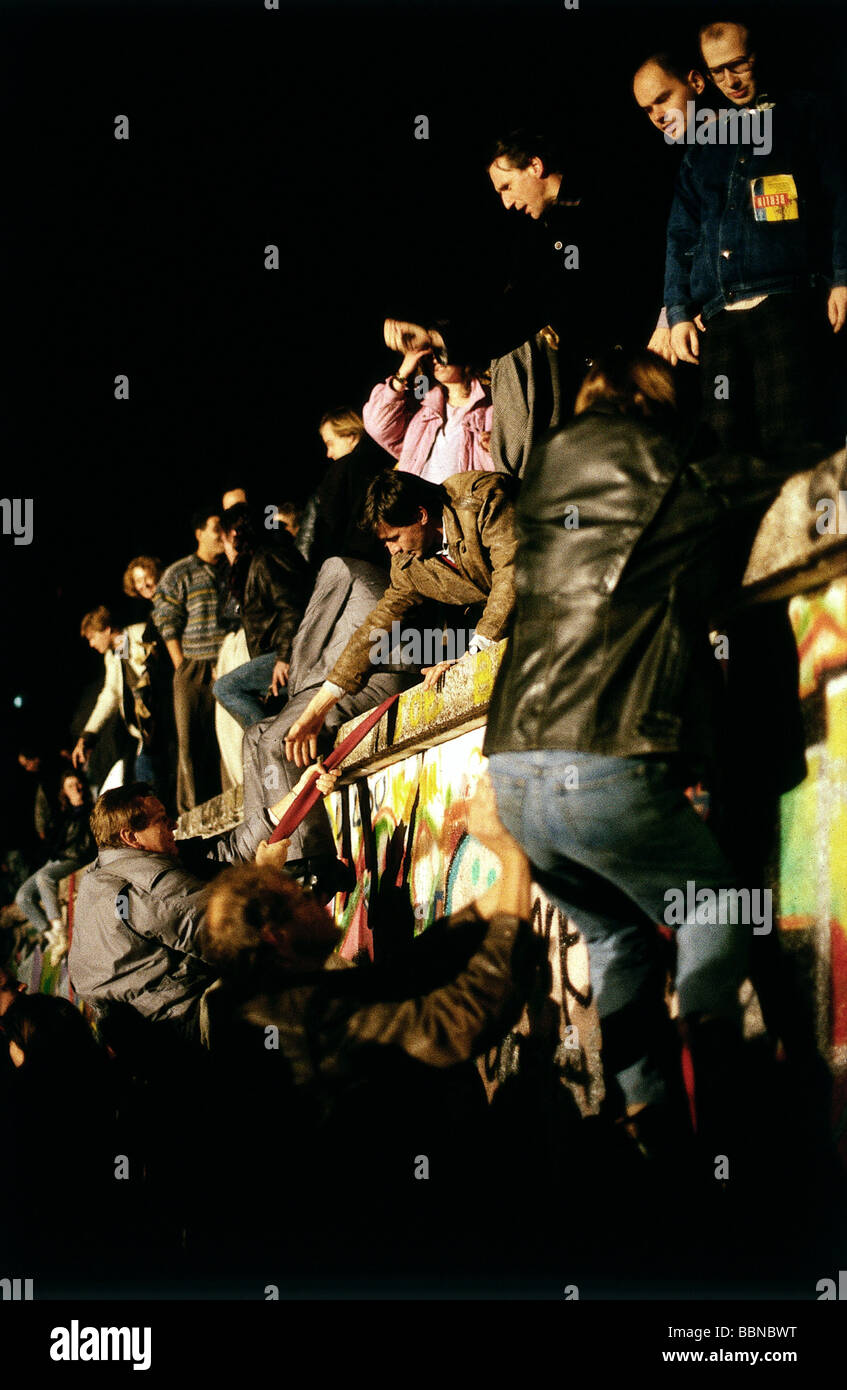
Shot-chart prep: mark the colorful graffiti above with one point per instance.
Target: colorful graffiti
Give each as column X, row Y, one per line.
column 813, row 851
column 820, row 627
column 813, row 876
column 413, row 854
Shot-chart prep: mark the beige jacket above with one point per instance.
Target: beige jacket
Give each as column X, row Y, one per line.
column 111, row 697
column 478, row 528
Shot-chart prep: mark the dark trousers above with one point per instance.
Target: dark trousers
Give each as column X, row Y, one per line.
column 760, row 373
column 198, row 775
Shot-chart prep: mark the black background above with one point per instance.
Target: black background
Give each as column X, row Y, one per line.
column 145, row 256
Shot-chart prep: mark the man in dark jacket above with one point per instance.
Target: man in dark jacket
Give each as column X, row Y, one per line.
column 562, row 302
column 274, row 594
column 666, row 87
column 142, row 903
column 757, row 245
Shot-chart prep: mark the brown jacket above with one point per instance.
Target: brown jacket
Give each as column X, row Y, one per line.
column 455, row 993
column 478, row 517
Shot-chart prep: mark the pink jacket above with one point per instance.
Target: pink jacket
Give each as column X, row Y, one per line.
column 407, row 430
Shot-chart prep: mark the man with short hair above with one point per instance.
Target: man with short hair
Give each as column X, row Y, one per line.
column 125, row 682
column 663, row 86
column 562, row 302
column 666, row 88
column 756, row 242
column 453, row 543
column 186, row 612
column 142, row 903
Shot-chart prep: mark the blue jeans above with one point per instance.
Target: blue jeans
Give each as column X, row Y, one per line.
column 152, row 768
column 608, row 838
column 238, row 689
column 44, row 885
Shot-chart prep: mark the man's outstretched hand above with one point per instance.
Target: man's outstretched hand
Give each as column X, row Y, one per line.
column 301, row 741
column 484, row 822
column 432, row 674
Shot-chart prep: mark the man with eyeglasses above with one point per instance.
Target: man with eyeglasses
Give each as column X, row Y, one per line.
column 757, row 240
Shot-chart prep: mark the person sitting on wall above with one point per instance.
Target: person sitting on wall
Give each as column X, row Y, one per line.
column 270, row 585
column 69, row 845
column 141, row 905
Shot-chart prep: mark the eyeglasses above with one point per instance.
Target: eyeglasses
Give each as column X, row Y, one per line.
column 741, row 65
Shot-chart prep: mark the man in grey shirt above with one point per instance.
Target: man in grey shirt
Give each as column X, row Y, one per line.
column 142, row 904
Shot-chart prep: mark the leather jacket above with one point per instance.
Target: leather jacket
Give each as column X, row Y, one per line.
column 610, row 651
column 277, row 590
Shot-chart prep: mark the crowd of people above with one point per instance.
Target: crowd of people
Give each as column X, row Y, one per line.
column 523, row 474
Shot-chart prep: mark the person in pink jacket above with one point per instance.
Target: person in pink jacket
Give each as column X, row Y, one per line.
column 434, row 417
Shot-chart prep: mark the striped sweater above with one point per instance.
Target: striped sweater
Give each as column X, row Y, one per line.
column 186, row 607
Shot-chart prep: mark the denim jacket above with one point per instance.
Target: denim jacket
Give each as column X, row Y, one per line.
column 738, row 229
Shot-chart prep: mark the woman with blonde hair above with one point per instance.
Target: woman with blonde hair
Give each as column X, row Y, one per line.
column 432, row 415
column 334, row 513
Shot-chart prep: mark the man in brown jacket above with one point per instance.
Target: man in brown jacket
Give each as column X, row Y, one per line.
column 453, row 543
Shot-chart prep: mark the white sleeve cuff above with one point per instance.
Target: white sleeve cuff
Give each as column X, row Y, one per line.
column 479, row 643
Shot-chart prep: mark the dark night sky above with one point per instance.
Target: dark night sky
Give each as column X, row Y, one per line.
column 145, row 257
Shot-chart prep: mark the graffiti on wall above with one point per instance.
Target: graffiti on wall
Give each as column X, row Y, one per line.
column 813, row 852
column 819, row 621
column 412, row 852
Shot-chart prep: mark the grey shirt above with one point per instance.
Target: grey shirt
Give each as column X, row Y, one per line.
column 137, row 920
